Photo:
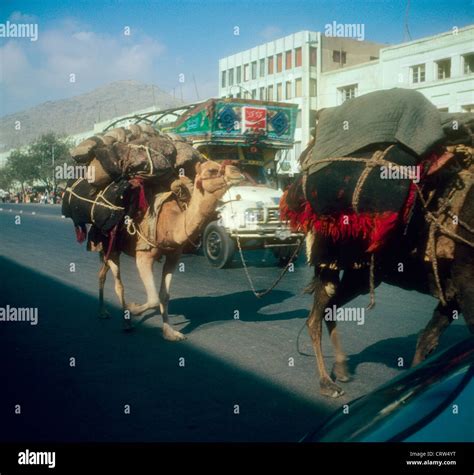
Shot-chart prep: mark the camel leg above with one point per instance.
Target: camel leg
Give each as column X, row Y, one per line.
column 144, row 261
column 429, row 337
column 168, row 268
column 325, row 283
column 103, row 313
column 353, row 284
column 114, row 264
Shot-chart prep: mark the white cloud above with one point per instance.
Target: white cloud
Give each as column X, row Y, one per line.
column 270, row 32
column 41, row 70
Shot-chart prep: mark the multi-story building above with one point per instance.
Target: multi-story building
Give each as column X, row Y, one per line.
column 287, row 70
column 441, row 67
column 316, row 71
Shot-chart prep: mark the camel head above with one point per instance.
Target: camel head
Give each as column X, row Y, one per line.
column 216, row 178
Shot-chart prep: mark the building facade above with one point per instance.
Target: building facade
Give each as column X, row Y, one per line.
column 315, row 71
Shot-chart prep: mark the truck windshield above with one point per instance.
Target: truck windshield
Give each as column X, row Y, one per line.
column 255, row 175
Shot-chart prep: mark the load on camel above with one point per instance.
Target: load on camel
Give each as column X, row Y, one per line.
column 148, row 195
column 386, row 195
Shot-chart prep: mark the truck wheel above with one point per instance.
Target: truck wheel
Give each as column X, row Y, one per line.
column 218, row 247
column 283, row 254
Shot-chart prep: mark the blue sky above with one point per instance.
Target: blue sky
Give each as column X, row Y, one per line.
column 181, row 36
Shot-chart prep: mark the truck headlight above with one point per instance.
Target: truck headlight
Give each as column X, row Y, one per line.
column 254, row 216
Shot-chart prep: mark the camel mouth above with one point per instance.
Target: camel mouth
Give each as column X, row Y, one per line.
column 235, row 180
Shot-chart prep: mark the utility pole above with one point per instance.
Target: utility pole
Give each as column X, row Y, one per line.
column 54, row 174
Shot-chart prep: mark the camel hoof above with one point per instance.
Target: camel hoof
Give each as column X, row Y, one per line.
column 172, row 335
column 330, row 389
column 104, row 314
column 341, row 372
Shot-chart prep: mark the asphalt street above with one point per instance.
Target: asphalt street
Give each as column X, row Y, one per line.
column 238, row 382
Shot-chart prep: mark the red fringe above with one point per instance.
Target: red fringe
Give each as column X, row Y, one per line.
column 138, row 182
column 372, row 227
column 81, row 233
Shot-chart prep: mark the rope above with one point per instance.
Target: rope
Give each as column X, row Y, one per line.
column 150, row 161
column 378, row 158
column 372, row 282
column 133, row 229
column 277, row 280
column 105, row 205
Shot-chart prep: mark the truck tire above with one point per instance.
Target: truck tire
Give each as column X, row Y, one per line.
column 283, row 254
column 218, row 246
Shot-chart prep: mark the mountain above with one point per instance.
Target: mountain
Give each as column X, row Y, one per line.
column 78, row 114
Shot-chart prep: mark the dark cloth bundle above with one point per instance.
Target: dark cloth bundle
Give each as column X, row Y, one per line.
column 85, row 205
column 394, row 116
column 458, row 128
column 330, row 190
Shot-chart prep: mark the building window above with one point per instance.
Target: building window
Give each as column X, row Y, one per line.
column 443, row 109
column 270, row 93
column 231, row 77
column 254, row 70
column 288, row 59
column 223, row 78
column 468, row 108
column 418, row 73
column 298, row 57
column 298, row 87
column 239, row 95
column 262, row 94
column 339, row 56
column 270, row 65
column 239, row 74
column 313, row 56
column 254, row 94
column 443, row 69
column 468, row 60
column 347, row 92
column 288, row 90
column 246, row 72
column 279, row 91
column 279, row 62
column 313, row 89
column 373, row 58
column 262, row 67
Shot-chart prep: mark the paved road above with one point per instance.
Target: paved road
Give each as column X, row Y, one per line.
column 228, row 362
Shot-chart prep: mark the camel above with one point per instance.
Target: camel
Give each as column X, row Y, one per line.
column 175, row 229
column 456, row 278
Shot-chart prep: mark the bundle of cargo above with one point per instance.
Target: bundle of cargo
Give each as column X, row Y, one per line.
column 126, row 168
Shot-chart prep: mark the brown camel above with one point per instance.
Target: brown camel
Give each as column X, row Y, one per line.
column 456, row 278
column 175, row 229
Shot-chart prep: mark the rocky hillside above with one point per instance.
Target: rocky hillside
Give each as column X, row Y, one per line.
column 78, row 114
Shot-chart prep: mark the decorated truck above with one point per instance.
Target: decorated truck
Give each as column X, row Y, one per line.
column 249, row 132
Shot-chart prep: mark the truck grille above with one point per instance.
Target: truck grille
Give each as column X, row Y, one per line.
column 273, row 215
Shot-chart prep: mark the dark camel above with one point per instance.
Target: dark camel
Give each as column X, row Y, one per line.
column 456, row 276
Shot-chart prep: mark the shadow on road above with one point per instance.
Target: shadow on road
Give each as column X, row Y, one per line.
column 74, row 377
column 202, row 310
column 389, row 351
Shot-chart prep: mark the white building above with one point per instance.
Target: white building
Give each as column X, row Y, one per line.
column 441, row 67
column 315, row 71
